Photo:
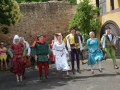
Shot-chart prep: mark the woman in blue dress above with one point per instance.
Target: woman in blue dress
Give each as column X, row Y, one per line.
column 95, row 54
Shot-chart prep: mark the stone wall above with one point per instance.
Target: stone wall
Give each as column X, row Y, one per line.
column 41, row 18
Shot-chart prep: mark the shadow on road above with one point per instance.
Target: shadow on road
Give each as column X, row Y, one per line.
column 32, row 82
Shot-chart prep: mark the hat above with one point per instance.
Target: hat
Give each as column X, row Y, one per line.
column 107, row 27
column 1, row 43
column 41, row 35
column 58, row 34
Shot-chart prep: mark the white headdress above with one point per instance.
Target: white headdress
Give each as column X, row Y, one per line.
column 16, row 37
column 55, row 37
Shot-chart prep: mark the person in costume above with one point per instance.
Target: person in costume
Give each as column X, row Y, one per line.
column 108, row 42
column 27, row 56
column 52, row 57
column 61, row 54
column 74, row 46
column 17, row 52
column 3, row 56
column 95, row 54
column 28, row 50
column 82, row 41
column 41, row 51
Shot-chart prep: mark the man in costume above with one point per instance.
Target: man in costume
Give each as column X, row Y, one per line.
column 108, row 42
column 41, row 53
column 74, row 46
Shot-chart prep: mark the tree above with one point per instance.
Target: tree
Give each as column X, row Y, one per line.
column 9, row 12
column 85, row 18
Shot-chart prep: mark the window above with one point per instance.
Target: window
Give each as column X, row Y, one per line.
column 112, row 4
column 102, row 5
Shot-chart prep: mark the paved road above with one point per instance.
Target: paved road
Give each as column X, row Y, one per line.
column 109, row 79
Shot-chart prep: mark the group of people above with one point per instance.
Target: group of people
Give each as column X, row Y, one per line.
column 62, row 49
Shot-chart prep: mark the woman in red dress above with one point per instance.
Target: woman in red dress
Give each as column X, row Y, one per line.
column 16, row 52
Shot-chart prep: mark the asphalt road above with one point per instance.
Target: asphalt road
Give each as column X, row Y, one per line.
column 109, row 79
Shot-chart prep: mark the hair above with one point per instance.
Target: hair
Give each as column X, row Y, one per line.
column 72, row 28
column 78, row 29
column 107, row 27
column 90, row 33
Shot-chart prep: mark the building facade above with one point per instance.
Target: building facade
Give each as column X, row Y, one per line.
column 109, row 15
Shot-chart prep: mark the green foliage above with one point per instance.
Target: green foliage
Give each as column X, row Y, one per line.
column 5, row 30
column 72, row 1
column 85, row 18
column 9, row 12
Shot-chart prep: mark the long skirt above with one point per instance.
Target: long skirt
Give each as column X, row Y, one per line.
column 97, row 55
column 18, row 66
column 27, row 62
column 62, row 63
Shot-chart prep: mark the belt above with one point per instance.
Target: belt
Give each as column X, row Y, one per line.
column 60, row 50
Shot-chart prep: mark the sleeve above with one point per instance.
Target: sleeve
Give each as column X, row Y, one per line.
column 103, row 42
column 114, row 40
column 54, row 49
column 81, row 47
column 65, row 40
column 83, row 39
column 68, row 44
column 65, row 50
column 28, row 48
column 10, row 52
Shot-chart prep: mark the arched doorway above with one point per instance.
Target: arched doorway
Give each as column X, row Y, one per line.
column 116, row 31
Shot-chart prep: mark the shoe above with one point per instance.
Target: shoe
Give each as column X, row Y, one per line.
column 74, row 71
column 18, row 80
column 84, row 63
column 116, row 67
column 92, row 72
column 46, row 76
column 79, row 71
column 41, row 77
column 100, row 70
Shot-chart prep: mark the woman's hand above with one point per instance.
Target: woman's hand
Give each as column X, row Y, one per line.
column 19, row 56
column 48, row 56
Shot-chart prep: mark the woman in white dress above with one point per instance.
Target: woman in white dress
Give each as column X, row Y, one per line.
column 61, row 54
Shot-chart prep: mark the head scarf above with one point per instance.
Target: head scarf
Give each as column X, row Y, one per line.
column 56, row 35
column 39, row 41
column 16, row 37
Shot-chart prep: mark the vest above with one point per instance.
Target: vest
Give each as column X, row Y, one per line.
column 72, row 42
column 109, row 43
